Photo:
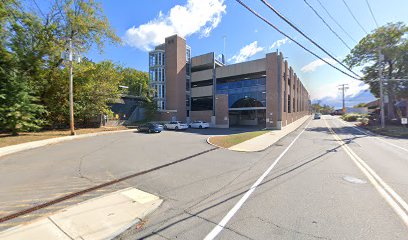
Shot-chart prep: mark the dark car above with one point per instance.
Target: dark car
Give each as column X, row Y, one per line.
column 150, row 128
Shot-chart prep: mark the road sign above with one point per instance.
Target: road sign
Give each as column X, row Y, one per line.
column 404, row 120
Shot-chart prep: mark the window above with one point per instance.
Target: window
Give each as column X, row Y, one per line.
column 162, row 91
column 163, row 75
column 156, row 74
column 201, row 103
column 152, row 75
column 201, row 83
column 188, row 54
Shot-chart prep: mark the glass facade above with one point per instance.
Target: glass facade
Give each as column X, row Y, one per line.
column 157, row 76
column 244, row 89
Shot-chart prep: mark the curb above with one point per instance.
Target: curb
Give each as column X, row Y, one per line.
column 40, row 143
column 261, row 150
column 214, row 145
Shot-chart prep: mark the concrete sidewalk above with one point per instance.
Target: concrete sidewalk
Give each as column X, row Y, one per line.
column 99, row 218
column 40, row 143
column 265, row 140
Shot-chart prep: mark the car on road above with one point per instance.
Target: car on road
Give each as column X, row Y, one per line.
column 150, row 128
column 317, row 116
column 176, row 125
column 199, row 124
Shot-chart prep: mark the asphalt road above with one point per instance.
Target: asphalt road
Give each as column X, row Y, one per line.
column 326, row 180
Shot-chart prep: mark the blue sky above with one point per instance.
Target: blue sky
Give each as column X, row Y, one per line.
column 141, row 23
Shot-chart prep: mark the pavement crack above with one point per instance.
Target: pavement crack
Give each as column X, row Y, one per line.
column 82, row 157
column 289, row 229
column 215, row 223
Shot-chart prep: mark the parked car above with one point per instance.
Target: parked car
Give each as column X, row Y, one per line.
column 176, row 125
column 317, row 116
column 150, row 128
column 199, row 124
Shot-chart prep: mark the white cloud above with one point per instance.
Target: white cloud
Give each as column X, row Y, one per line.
column 311, row 67
column 197, row 16
column 279, row 43
column 246, row 52
column 331, row 90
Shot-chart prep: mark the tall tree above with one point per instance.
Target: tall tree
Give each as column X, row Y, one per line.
column 392, row 39
column 19, row 110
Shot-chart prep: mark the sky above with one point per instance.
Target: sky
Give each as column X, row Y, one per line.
column 205, row 24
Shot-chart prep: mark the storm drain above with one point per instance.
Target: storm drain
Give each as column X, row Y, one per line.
column 354, row 180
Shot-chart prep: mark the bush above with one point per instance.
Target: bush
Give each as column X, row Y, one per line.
column 352, row 117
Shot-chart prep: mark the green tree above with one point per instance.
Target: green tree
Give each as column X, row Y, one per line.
column 18, row 109
column 392, row 39
column 97, row 85
column 137, row 81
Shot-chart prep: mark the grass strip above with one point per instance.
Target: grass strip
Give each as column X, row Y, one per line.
column 8, row 140
column 234, row 139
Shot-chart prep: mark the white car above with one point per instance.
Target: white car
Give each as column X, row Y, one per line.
column 177, row 125
column 199, row 124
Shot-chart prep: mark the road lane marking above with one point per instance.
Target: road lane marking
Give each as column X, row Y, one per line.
column 220, row 226
column 371, row 135
column 391, row 197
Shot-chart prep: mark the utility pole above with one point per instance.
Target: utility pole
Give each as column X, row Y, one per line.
column 71, row 89
column 343, row 88
column 380, row 61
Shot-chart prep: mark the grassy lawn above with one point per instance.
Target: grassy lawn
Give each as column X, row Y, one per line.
column 392, row 131
column 234, row 139
column 7, row 140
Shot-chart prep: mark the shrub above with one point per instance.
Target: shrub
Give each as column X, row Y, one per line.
column 352, row 117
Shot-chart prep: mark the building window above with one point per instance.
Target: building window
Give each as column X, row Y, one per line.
column 188, row 54
column 201, row 103
column 202, row 83
column 163, row 75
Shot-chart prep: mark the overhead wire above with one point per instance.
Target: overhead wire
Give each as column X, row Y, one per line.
column 293, row 40
column 307, row 37
column 327, row 25
column 372, row 14
column 352, row 14
column 335, row 21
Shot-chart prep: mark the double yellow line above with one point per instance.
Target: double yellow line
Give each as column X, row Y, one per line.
column 391, row 197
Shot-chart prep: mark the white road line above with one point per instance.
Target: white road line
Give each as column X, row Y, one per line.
column 371, row 135
column 391, row 197
column 220, row 226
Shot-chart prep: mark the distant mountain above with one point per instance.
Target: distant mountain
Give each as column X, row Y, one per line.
column 362, row 97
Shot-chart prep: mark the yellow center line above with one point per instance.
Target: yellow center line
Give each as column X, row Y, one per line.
column 390, row 196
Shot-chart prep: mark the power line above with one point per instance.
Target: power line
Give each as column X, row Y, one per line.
column 371, row 11
column 308, row 38
column 39, row 9
column 327, row 25
column 348, row 8
column 334, row 20
column 293, row 40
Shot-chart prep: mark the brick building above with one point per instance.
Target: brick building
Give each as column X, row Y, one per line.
column 264, row 92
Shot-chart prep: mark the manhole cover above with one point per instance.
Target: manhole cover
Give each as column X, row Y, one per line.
column 354, row 180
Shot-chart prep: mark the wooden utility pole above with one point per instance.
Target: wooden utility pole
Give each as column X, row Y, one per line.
column 71, row 89
column 343, row 88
